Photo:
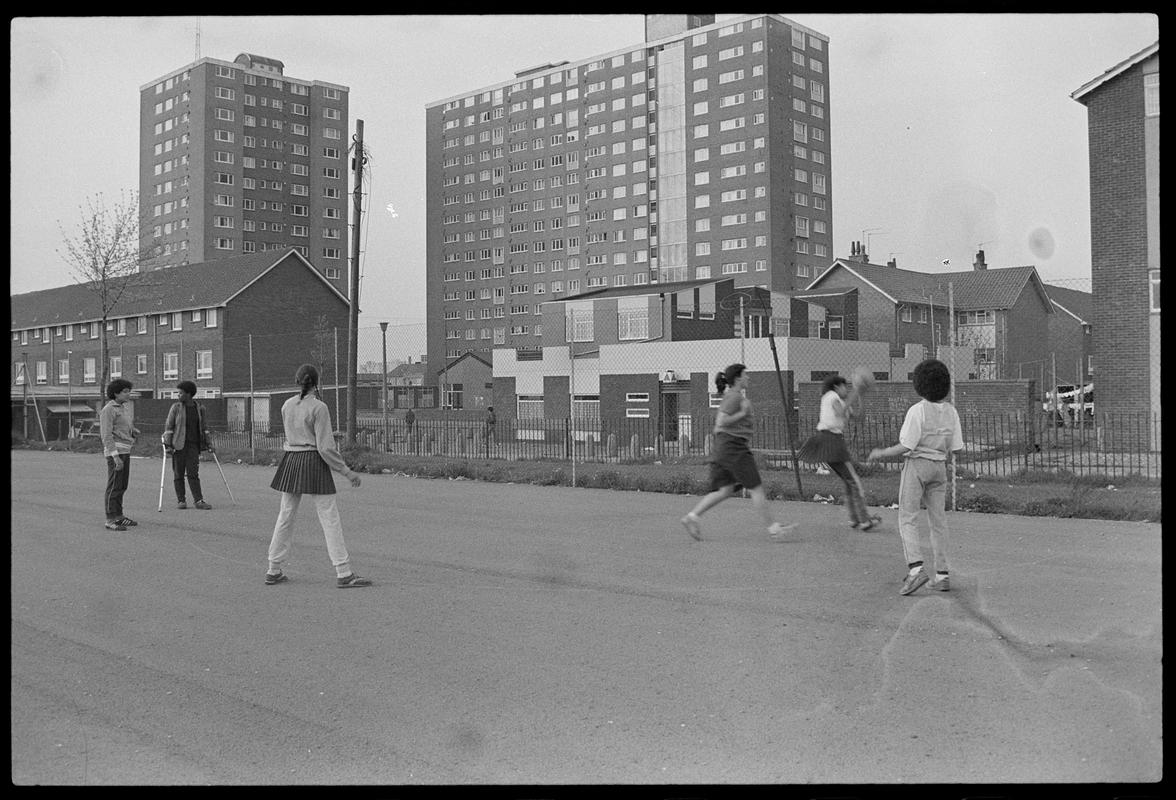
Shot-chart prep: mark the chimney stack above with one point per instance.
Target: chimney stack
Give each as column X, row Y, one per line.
column 892, row 263
column 979, row 263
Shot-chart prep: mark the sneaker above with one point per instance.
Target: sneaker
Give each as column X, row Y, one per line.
column 913, row 582
column 115, row 525
column 130, row 523
column 871, row 523
column 271, row 579
column 352, row 581
column 203, row 505
column 181, row 505
column 690, row 522
column 942, row 585
column 778, row 532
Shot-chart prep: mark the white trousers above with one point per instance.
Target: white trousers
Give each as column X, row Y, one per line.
column 328, row 514
column 923, row 481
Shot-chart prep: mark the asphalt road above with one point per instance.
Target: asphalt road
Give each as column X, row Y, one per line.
column 520, row 634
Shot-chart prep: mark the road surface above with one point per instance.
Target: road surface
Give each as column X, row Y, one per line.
column 520, row 634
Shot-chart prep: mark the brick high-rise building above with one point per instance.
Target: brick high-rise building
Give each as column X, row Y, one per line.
column 1123, row 119
column 700, row 154
column 236, row 158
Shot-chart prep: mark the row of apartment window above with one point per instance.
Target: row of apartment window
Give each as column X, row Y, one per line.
column 249, row 162
column 496, row 175
column 297, row 129
column 819, row 186
column 802, row 132
column 815, row 88
column 253, row 121
column 222, row 93
column 248, row 204
column 698, row 131
column 170, row 363
column 229, row 244
column 122, row 326
column 251, row 226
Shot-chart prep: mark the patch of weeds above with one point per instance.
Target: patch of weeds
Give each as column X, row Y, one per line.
column 556, row 477
column 1049, row 507
column 607, row 479
column 981, row 503
column 675, row 483
column 455, row 469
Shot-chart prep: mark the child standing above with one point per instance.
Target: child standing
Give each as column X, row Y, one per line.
column 929, row 433
column 185, row 434
column 308, row 458
column 732, row 465
column 827, row 446
column 117, row 424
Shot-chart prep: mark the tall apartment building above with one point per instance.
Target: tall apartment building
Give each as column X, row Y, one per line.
column 1123, row 121
column 236, row 158
column 700, row 154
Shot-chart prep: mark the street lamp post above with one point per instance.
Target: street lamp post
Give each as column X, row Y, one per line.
column 384, row 379
column 69, row 400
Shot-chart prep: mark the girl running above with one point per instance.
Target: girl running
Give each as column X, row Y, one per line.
column 732, row 465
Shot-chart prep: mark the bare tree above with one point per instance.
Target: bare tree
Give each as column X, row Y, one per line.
column 106, row 254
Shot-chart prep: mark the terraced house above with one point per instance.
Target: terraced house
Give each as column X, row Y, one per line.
column 238, row 327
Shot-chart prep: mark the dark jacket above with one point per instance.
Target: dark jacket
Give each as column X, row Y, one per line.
column 177, row 422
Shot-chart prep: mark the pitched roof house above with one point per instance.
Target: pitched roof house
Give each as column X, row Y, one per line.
column 1002, row 314
column 1071, row 335
column 230, row 325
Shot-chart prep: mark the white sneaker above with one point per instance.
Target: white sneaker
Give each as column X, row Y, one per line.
column 691, row 523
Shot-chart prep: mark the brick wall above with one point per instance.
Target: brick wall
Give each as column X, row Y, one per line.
column 292, row 316
column 1118, row 228
column 1023, row 338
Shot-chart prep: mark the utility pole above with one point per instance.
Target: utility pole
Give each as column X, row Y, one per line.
column 357, row 161
column 384, row 379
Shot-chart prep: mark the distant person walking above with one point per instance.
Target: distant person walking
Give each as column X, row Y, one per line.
column 309, row 455
column 116, row 422
column 839, row 402
column 185, row 435
column 488, row 428
column 409, row 422
column 930, row 432
column 732, row 465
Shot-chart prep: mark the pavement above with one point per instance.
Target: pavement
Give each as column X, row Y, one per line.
column 528, row 635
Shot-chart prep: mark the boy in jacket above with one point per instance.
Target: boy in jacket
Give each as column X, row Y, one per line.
column 184, row 435
column 117, row 424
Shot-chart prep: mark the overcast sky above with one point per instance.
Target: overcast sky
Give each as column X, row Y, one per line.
column 947, row 132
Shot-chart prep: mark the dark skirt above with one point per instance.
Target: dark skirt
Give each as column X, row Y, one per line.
column 303, row 472
column 732, row 464
column 824, row 447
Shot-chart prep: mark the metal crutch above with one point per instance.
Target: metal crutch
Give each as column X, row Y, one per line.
column 222, row 474
column 162, row 473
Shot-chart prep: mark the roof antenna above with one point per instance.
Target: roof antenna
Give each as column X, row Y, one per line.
column 198, row 38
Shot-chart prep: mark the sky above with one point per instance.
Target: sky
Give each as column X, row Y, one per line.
column 948, row 132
